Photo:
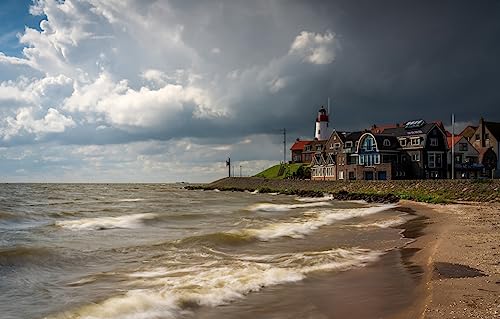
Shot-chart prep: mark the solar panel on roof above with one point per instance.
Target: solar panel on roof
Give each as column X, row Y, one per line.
column 414, row 124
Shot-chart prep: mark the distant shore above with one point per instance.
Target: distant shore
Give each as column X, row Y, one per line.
column 429, row 191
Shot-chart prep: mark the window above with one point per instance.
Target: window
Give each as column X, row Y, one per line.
column 431, row 160
column 368, row 144
column 362, row 160
column 486, row 136
column 402, row 142
column 458, row 159
column 351, row 176
column 477, row 137
column 307, row 148
column 434, row 141
column 415, row 157
column 318, row 147
column 341, row 175
column 439, row 162
column 387, row 142
column 348, row 144
column 377, row 159
column 462, row 147
column 337, row 146
column 415, row 141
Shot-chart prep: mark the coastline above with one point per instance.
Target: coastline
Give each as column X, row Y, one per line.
column 459, row 253
column 456, row 251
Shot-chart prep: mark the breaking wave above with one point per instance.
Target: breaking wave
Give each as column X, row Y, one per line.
column 101, row 223
column 300, row 228
column 269, row 207
column 173, row 292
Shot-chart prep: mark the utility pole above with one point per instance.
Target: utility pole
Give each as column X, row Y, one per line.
column 452, row 146
column 228, row 164
column 240, row 172
column 284, row 146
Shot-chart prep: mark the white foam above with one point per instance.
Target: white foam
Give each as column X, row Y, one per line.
column 98, row 223
column 218, row 284
column 131, row 200
column 270, row 207
column 385, row 223
column 302, row 227
column 314, row 199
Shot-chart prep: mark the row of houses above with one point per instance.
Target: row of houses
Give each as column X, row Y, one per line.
column 412, row 150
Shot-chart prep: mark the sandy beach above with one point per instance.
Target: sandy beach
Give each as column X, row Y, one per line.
column 459, row 251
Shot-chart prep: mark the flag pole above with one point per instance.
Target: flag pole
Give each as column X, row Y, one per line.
column 452, row 146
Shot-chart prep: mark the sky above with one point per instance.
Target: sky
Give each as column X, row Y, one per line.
column 165, row 91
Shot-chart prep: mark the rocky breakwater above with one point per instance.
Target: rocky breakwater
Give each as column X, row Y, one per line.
column 431, row 191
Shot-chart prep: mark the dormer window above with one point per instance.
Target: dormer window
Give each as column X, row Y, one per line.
column 415, row 141
column 348, row 144
column 403, row 142
column 387, row 143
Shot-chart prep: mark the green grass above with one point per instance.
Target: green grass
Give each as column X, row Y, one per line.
column 280, row 171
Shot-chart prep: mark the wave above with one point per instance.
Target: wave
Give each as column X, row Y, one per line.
column 131, row 200
column 393, row 222
column 172, row 294
column 21, row 254
column 101, row 223
column 300, row 228
column 314, row 199
column 270, row 207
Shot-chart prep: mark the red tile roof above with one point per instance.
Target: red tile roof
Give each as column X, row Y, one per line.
column 457, row 138
column 299, row 145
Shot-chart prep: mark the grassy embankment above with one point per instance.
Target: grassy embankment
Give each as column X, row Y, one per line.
column 281, row 171
column 429, row 191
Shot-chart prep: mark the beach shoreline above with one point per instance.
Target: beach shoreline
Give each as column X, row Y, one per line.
column 458, row 251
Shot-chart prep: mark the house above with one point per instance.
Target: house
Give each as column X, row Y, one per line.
column 466, row 158
column 468, row 132
column 377, row 157
column 423, row 149
column 487, row 135
column 298, row 150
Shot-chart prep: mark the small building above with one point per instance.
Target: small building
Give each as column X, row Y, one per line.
column 297, row 150
column 466, row 158
column 487, row 136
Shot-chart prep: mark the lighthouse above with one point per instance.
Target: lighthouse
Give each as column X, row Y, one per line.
column 322, row 131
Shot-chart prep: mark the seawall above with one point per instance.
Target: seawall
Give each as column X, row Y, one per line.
column 433, row 191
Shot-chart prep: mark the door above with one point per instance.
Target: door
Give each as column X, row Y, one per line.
column 368, row 176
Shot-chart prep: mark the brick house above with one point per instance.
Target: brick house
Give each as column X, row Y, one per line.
column 487, row 135
column 466, row 162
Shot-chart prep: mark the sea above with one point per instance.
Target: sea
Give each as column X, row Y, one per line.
column 154, row 251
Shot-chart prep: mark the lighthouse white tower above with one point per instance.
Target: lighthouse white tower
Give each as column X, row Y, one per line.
column 322, row 131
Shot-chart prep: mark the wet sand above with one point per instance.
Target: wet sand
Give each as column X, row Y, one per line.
column 459, row 252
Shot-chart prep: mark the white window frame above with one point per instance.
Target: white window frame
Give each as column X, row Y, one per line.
column 387, row 142
column 403, row 142
column 348, row 144
column 415, row 157
column 377, row 159
column 415, row 141
column 434, row 141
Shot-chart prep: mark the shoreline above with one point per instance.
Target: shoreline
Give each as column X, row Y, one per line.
column 459, row 253
column 457, row 250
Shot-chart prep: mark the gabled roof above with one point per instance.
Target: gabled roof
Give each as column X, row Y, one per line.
column 299, row 145
column 468, row 131
column 456, row 139
column 353, row 136
column 494, row 128
column 380, row 138
column 402, row 131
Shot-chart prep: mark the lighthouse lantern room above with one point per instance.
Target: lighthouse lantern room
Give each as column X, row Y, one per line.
column 322, row 130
